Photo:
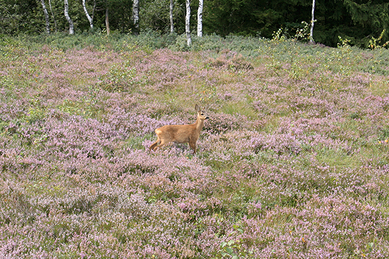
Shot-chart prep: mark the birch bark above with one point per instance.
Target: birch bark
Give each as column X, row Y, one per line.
column 135, row 16
column 107, row 19
column 171, row 16
column 90, row 19
column 200, row 19
column 312, row 21
column 46, row 17
column 187, row 24
column 66, row 12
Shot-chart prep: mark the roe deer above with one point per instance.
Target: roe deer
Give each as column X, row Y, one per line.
column 180, row 133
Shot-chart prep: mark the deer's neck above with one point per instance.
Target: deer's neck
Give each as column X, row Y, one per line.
column 199, row 124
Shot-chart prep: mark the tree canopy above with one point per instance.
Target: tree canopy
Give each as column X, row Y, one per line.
column 357, row 20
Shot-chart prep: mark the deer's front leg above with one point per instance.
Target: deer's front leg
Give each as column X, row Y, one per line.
column 193, row 146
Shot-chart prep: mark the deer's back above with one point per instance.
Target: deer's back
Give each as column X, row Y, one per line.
column 177, row 133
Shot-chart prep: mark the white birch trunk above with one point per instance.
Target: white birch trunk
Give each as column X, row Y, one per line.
column 312, row 21
column 187, row 23
column 90, row 19
column 200, row 19
column 135, row 15
column 46, row 17
column 52, row 14
column 107, row 20
column 66, row 12
column 171, row 16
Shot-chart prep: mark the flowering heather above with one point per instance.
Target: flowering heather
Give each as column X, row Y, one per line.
column 293, row 162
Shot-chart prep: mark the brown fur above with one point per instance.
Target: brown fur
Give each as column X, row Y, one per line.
column 180, row 133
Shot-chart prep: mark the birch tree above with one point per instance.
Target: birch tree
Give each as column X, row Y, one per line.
column 135, row 15
column 52, row 14
column 107, row 18
column 46, row 17
column 66, row 12
column 90, row 19
column 187, row 23
column 312, row 21
column 200, row 19
column 171, row 16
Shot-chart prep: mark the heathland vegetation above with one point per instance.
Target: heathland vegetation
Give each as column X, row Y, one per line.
column 293, row 162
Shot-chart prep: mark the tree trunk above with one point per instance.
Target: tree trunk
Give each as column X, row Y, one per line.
column 187, row 23
column 200, row 19
column 171, row 16
column 52, row 14
column 135, row 16
column 46, row 17
column 90, row 19
column 94, row 8
column 312, row 21
column 107, row 19
column 71, row 26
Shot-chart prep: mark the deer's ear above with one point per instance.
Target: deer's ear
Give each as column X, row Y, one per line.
column 197, row 108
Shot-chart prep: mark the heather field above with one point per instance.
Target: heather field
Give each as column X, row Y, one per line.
column 293, row 162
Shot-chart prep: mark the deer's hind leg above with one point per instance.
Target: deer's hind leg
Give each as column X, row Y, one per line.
column 159, row 143
column 162, row 143
column 154, row 145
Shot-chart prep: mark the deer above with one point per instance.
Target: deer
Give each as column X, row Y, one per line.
column 188, row 133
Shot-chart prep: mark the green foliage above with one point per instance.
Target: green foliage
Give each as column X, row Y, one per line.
column 301, row 33
column 367, row 18
column 155, row 16
column 374, row 42
column 358, row 21
column 278, row 36
column 20, row 17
